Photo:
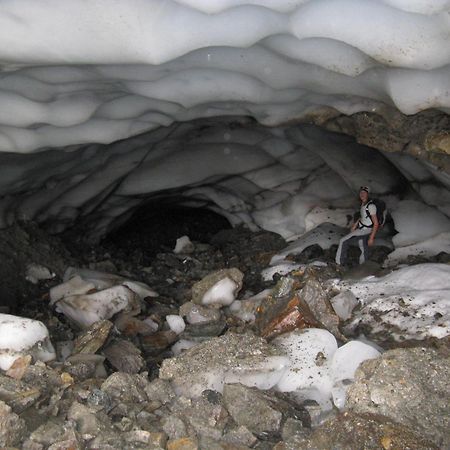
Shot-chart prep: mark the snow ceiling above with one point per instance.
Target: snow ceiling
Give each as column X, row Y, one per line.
column 229, row 104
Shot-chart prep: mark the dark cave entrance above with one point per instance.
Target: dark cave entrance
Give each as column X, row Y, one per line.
column 156, row 225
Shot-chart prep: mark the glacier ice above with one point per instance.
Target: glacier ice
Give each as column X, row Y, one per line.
column 21, row 336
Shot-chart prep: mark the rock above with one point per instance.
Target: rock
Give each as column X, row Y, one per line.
column 204, row 330
column 240, row 436
column 157, row 342
column 36, row 272
column 409, row 386
column 17, row 394
column 19, row 367
column 91, row 340
column 233, row 357
column 198, row 313
column 12, row 428
column 127, row 388
column 131, row 326
column 174, row 427
column 84, row 310
column 316, row 298
column 277, row 315
column 350, row 431
column 261, row 412
column 89, row 423
column 184, row 443
column 343, row 304
column 53, row 431
column 218, row 288
column 159, row 390
column 184, row 245
column 206, row 418
column 84, row 365
column 124, row 356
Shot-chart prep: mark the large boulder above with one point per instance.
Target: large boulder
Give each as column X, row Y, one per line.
column 410, row 386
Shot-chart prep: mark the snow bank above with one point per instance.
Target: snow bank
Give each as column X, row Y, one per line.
column 410, row 303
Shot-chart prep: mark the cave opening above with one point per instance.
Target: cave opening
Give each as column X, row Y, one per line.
column 156, row 225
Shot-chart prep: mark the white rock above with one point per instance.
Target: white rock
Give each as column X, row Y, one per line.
column 37, row 272
column 84, row 310
column 222, row 293
column 343, row 304
column 176, row 323
column 183, row 245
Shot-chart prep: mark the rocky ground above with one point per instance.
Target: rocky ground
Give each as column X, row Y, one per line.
column 117, row 384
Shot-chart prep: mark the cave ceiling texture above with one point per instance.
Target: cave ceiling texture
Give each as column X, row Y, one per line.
column 269, row 112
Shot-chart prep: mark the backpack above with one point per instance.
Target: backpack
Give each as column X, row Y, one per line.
column 381, row 210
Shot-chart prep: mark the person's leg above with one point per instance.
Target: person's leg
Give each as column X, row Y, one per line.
column 363, row 246
column 341, row 254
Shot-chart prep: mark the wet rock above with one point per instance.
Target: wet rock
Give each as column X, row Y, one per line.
column 243, row 358
column 278, row 315
column 84, row 365
column 131, row 326
column 260, row 411
column 409, row 386
column 91, row 340
column 124, row 356
column 12, row 428
column 349, row 431
column 212, row 288
column 17, row 394
column 157, row 342
column 123, row 387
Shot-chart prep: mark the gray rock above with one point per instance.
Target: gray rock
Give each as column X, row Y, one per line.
column 159, row 390
column 126, row 388
column 243, row 353
column 93, row 338
column 409, row 386
column 12, row 427
column 350, row 431
column 89, row 423
column 204, row 417
column 260, row 411
column 85, row 365
column 174, row 427
column 240, row 436
column 17, row 394
column 124, row 356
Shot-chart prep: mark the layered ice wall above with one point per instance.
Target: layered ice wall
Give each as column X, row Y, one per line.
column 103, row 106
column 82, row 72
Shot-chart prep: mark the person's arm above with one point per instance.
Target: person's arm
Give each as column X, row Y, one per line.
column 375, row 227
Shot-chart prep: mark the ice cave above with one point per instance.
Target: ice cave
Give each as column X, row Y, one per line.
column 175, row 179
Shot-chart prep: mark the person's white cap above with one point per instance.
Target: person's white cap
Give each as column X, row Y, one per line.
column 365, row 188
